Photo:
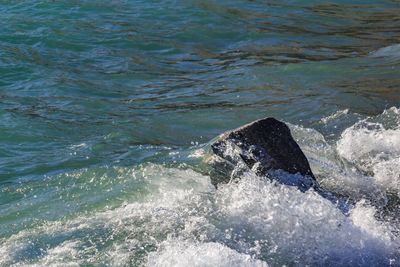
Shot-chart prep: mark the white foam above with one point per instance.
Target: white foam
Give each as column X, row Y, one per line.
column 363, row 217
column 365, row 144
column 128, row 228
column 373, row 146
column 198, row 153
column 177, row 253
column 387, row 174
column 326, row 165
column 300, row 227
column 334, row 116
column 66, row 253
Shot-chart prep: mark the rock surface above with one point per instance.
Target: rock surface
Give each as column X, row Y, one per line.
column 265, row 147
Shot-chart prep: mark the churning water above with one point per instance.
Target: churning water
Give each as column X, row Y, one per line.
column 107, row 109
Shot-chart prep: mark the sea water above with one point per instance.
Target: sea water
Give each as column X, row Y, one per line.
column 107, row 109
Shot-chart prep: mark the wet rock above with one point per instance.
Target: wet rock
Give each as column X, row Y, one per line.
column 265, row 147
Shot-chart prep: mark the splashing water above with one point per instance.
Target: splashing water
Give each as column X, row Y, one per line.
column 172, row 216
column 254, row 222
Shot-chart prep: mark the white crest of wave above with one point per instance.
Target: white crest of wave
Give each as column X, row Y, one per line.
column 392, row 51
column 368, row 143
column 373, row 146
column 336, row 115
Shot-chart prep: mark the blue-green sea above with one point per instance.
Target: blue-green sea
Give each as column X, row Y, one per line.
column 107, row 110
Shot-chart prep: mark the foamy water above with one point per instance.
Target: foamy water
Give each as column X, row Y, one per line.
column 373, row 146
column 252, row 223
column 177, row 218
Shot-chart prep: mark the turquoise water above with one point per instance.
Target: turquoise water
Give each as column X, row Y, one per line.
column 107, row 108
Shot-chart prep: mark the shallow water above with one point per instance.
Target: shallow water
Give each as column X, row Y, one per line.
column 107, row 107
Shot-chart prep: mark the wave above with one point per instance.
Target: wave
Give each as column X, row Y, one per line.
column 392, row 51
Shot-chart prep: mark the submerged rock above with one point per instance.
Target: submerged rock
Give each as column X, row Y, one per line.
column 265, row 147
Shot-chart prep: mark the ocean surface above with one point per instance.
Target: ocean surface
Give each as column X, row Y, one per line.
column 107, row 109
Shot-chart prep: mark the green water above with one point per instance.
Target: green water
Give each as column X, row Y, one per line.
column 103, row 105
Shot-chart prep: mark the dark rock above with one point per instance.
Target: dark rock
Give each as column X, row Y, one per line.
column 265, row 147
